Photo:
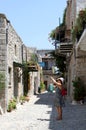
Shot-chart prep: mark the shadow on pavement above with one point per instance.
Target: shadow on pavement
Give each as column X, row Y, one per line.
column 47, row 98
column 74, row 116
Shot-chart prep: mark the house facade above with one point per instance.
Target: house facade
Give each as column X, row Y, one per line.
column 13, row 55
column 76, row 58
column 49, row 64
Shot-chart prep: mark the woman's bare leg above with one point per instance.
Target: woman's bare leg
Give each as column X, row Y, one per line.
column 59, row 110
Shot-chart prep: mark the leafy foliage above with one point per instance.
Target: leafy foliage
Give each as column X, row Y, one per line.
column 59, row 32
column 42, row 85
column 79, row 26
column 11, row 105
column 59, row 61
column 33, row 58
column 79, row 89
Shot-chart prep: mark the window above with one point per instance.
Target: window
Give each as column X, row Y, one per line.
column 9, row 76
column 46, row 65
column 15, row 51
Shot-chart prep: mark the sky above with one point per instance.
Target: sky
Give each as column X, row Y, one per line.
column 33, row 20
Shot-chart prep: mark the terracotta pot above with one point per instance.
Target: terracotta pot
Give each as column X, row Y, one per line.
column 27, row 98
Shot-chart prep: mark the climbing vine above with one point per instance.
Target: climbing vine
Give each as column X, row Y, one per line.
column 54, row 35
column 79, row 25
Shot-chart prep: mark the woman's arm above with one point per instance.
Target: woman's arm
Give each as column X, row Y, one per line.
column 54, row 81
column 59, row 85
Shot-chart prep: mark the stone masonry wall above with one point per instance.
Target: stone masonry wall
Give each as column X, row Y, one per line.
column 71, row 75
column 81, row 4
column 77, row 64
column 10, row 52
column 73, row 8
column 14, row 54
column 81, row 63
column 3, row 61
column 24, row 53
column 68, row 15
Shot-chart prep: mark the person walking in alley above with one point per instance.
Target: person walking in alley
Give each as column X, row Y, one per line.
column 58, row 102
column 50, row 88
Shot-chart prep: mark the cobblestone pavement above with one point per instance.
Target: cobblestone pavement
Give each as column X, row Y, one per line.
column 39, row 114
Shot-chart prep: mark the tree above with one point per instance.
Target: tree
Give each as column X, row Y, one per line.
column 59, row 32
column 60, row 61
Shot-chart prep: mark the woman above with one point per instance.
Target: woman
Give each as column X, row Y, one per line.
column 58, row 96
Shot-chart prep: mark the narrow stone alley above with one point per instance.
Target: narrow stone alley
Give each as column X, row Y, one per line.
column 39, row 114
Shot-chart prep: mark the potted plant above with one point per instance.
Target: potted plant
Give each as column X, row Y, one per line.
column 9, row 109
column 42, row 86
column 22, row 99
column 79, row 90
column 11, row 105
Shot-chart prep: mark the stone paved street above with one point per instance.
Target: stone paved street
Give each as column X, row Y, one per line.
column 39, row 114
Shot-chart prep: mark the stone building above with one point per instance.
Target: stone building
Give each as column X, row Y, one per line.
column 10, row 59
column 47, row 62
column 72, row 11
column 34, row 76
column 13, row 55
column 77, row 62
column 76, row 57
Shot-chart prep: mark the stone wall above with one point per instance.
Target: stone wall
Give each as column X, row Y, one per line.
column 10, row 52
column 30, row 52
column 71, row 75
column 14, row 54
column 68, row 16
column 24, row 53
column 77, row 63
column 81, row 57
column 81, row 4
column 72, row 11
column 3, row 60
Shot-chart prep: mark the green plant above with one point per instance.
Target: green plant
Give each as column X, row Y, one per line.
column 42, row 86
column 14, row 105
column 79, row 89
column 59, row 32
column 22, row 99
column 9, row 109
column 60, row 61
column 14, row 100
column 79, row 25
column 11, row 105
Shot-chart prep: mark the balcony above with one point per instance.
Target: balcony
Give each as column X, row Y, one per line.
column 65, row 48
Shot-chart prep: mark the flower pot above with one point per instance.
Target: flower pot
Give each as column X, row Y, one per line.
column 27, row 98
